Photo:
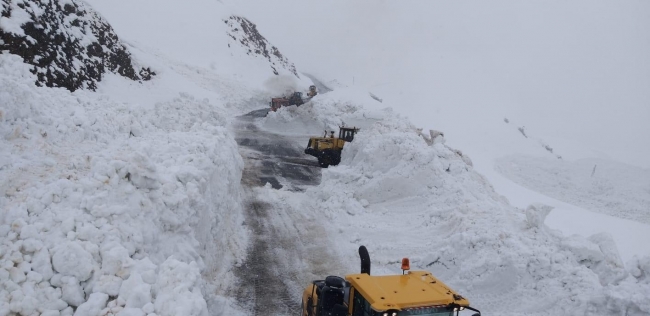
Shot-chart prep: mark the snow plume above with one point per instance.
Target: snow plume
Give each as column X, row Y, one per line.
column 243, row 32
column 282, row 85
column 326, row 112
column 106, row 206
column 68, row 44
column 403, row 197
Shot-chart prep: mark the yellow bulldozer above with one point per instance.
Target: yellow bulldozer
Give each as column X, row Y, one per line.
column 328, row 148
column 312, row 91
column 411, row 293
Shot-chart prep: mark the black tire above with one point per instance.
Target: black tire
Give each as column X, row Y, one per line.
column 324, row 160
column 323, row 164
column 336, row 160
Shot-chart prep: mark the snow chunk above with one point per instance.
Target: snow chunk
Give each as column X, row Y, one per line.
column 72, row 293
column 17, row 275
column 115, row 260
column 73, row 260
column 41, row 263
column 28, row 231
column 108, row 284
column 50, row 312
column 93, row 306
column 131, row 312
column 536, row 215
column 640, row 268
column 178, row 291
column 135, row 292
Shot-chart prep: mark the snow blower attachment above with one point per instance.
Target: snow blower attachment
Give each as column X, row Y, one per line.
column 328, row 148
column 412, row 293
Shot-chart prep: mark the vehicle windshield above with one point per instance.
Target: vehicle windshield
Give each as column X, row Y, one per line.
column 429, row 313
column 426, row 311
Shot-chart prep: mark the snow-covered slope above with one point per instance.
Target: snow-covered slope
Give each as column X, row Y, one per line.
column 403, row 194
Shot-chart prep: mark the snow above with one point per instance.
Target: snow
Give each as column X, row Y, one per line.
column 103, row 195
column 127, row 200
column 402, row 194
column 18, row 17
column 93, row 306
column 602, row 186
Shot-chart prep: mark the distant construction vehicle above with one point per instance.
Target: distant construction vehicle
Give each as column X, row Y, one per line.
column 294, row 99
column 328, row 148
column 312, row 91
column 411, row 293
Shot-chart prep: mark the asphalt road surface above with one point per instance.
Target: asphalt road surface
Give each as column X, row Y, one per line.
column 287, row 248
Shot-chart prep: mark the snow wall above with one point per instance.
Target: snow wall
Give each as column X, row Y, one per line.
column 107, row 206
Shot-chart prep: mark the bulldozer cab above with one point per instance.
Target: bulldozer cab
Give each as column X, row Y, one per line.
column 296, row 96
column 312, row 91
column 347, row 134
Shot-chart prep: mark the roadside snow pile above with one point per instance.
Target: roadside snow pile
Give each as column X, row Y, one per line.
column 404, row 195
column 603, row 186
column 107, row 206
column 67, row 43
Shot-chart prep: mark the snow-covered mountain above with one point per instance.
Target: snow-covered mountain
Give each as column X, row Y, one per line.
column 68, row 44
column 123, row 197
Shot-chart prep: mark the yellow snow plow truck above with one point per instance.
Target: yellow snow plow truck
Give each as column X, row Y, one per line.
column 411, row 293
column 328, row 148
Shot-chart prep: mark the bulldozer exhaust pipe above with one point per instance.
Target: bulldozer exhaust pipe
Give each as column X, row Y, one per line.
column 365, row 260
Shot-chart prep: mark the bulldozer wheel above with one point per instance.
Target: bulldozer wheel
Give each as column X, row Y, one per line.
column 324, row 160
column 323, row 163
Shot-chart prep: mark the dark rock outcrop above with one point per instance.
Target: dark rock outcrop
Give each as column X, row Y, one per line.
column 68, row 44
column 245, row 33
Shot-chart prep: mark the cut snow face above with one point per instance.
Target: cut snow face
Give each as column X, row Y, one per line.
column 108, row 207
column 67, row 43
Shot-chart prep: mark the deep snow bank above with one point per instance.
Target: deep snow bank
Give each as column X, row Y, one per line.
column 402, row 194
column 67, row 43
column 106, row 205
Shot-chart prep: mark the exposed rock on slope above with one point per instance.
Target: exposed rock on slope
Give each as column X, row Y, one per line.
column 68, row 44
column 245, row 33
